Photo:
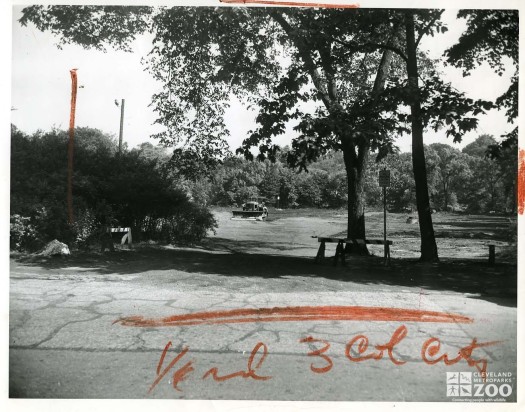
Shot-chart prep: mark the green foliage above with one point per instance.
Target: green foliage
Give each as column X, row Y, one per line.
column 188, row 223
column 451, row 171
column 135, row 188
column 90, row 26
column 491, row 37
column 22, row 234
column 401, row 192
column 237, row 179
column 492, row 186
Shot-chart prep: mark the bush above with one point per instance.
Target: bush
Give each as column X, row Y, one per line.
column 86, row 229
column 188, row 224
column 22, row 234
column 129, row 189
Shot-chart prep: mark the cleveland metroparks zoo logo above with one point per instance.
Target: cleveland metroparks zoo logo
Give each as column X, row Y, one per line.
column 479, row 386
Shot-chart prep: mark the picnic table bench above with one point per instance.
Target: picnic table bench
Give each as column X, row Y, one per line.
column 340, row 249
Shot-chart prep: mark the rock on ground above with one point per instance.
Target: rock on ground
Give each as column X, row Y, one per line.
column 55, row 248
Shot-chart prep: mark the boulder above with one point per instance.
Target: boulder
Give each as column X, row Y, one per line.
column 54, row 248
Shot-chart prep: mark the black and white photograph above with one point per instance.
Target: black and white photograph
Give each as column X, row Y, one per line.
column 263, row 201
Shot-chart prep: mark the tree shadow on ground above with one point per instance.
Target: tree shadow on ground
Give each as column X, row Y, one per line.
column 496, row 283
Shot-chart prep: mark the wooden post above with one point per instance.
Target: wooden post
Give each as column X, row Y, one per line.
column 343, row 252
column 339, row 252
column 320, row 252
column 492, row 254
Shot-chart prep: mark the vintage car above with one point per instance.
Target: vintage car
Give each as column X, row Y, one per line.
column 252, row 210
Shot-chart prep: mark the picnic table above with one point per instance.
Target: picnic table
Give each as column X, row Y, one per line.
column 340, row 249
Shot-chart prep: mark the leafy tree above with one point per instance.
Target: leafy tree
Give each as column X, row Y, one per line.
column 492, row 186
column 478, row 148
column 507, row 160
column 452, row 172
column 236, row 181
column 491, row 36
column 310, row 188
column 278, row 59
column 401, row 192
column 325, row 183
column 150, row 152
column 480, row 191
column 269, row 187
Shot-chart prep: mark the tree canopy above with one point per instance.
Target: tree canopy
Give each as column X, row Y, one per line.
column 316, row 67
column 491, row 37
column 344, row 77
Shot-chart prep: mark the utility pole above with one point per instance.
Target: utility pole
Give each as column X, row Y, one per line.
column 121, row 127
column 70, row 146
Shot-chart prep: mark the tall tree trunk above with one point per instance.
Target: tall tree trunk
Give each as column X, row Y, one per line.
column 355, row 162
column 429, row 251
column 355, row 165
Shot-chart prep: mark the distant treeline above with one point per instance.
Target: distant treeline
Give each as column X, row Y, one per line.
column 465, row 180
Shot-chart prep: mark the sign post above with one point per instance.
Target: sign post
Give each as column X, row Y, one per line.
column 384, row 182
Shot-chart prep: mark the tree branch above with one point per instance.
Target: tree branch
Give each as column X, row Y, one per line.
column 375, row 46
column 308, row 61
column 326, row 61
column 425, row 29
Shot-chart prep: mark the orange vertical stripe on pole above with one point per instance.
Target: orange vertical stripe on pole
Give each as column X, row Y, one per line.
column 70, row 146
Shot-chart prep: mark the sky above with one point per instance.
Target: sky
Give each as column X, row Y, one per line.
column 41, row 88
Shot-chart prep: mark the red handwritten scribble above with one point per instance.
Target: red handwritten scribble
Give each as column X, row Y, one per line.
column 183, row 372
column 357, row 350
column 297, row 314
column 521, row 182
column 362, row 347
column 179, row 375
column 249, row 373
column 320, row 353
column 432, row 347
column 294, row 4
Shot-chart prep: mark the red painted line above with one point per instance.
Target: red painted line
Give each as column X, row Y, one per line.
column 294, row 4
column 297, row 314
column 521, row 182
column 70, row 146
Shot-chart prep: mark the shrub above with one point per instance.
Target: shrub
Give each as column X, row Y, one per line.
column 86, row 229
column 22, row 234
column 188, row 224
column 130, row 189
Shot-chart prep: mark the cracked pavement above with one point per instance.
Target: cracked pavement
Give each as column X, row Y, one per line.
column 64, row 342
